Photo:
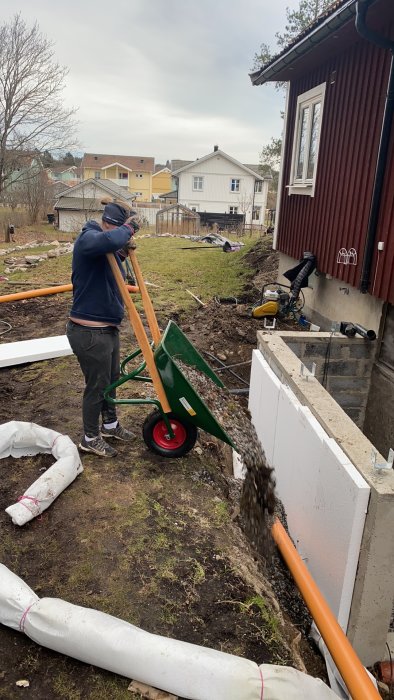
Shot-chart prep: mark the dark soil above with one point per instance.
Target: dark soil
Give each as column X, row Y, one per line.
column 258, row 499
column 154, row 541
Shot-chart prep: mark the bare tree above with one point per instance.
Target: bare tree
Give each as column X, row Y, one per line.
column 245, row 202
column 32, row 116
column 37, row 194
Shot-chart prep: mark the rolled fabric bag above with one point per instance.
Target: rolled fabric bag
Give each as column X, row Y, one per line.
column 21, row 439
column 184, row 669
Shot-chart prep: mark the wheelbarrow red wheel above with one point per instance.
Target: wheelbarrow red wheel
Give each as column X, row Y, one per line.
column 156, row 436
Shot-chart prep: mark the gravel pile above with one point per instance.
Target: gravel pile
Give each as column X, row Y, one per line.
column 258, row 493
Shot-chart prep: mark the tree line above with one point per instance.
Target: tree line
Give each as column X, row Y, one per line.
column 297, row 21
column 35, row 124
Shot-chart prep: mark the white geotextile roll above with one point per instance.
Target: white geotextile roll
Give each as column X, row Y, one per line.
column 21, row 439
column 178, row 667
column 285, row 683
column 15, row 598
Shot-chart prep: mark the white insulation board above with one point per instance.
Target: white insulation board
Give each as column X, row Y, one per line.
column 324, row 496
column 33, row 350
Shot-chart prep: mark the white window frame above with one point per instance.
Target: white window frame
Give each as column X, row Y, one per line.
column 235, row 185
column 258, row 186
column 303, row 184
column 256, row 210
column 200, row 182
column 234, row 208
column 97, row 175
column 194, row 207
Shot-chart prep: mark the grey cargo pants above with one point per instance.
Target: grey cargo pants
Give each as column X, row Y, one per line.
column 97, row 351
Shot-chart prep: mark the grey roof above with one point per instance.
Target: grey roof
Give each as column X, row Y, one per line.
column 116, row 189
column 257, row 170
column 106, row 186
column 79, row 204
column 169, row 195
column 177, row 164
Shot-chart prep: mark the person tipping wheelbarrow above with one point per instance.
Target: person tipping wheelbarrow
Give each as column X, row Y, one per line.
column 93, row 327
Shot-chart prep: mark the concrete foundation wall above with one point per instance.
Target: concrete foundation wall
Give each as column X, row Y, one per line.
column 379, row 420
column 325, row 302
column 343, row 366
column 373, row 594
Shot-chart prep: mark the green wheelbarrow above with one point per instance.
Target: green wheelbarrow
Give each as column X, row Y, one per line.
column 171, row 429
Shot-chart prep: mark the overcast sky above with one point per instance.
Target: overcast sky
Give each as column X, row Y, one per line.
column 164, row 78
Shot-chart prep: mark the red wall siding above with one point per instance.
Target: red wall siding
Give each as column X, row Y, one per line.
column 337, row 216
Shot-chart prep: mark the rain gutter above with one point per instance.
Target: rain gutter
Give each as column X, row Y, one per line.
column 381, row 163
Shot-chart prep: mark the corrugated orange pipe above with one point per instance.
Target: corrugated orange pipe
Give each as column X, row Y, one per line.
column 349, row 665
column 46, row 291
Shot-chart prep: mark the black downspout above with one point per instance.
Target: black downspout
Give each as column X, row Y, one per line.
column 361, row 10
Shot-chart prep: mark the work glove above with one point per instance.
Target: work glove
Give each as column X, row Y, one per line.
column 134, row 221
column 124, row 252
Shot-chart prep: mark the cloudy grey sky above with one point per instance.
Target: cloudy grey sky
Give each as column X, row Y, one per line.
column 164, row 78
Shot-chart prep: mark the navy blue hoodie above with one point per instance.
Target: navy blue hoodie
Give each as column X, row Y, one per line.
column 96, row 295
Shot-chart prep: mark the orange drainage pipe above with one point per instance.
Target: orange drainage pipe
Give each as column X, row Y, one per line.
column 349, row 665
column 46, row 291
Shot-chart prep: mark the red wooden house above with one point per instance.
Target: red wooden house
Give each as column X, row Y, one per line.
column 336, row 189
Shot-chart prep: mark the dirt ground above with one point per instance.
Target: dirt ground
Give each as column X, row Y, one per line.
column 154, row 541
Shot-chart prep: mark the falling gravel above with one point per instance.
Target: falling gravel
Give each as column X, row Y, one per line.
column 258, row 493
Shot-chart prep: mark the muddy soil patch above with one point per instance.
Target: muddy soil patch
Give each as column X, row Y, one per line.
column 154, row 541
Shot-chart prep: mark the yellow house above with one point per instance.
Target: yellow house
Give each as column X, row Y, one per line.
column 161, row 182
column 134, row 173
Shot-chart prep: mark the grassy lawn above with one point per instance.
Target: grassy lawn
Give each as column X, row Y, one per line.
column 164, row 263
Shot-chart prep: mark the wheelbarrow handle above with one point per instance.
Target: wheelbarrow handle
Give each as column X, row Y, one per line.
column 146, row 300
column 140, row 334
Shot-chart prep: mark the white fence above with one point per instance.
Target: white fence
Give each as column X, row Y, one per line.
column 148, row 213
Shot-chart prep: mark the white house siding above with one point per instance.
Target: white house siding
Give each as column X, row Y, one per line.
column 216, row 195
column 72, row 221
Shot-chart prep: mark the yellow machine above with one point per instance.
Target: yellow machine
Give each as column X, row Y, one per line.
column 274, row 301
column 267, row 308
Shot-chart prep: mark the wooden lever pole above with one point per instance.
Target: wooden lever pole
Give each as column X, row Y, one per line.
column 140, row 334
column 146, row 300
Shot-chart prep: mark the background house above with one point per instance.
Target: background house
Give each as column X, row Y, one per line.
column 132, row 173
column 218, row 183
column 161, row 181
column 77, row 204
column 70, row 175
column 336, row 183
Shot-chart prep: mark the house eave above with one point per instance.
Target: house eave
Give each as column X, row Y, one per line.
column 280, row 68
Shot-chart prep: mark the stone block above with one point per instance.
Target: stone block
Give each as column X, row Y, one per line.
column 339, row 350
column 32, row 259
column 363, row 349
column 347, row 400
column 297, row 348
column 316, row 349
column 347, row 383
column 345, row 368
column 356, row 414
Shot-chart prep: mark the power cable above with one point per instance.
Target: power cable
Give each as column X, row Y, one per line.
column 327, row 361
